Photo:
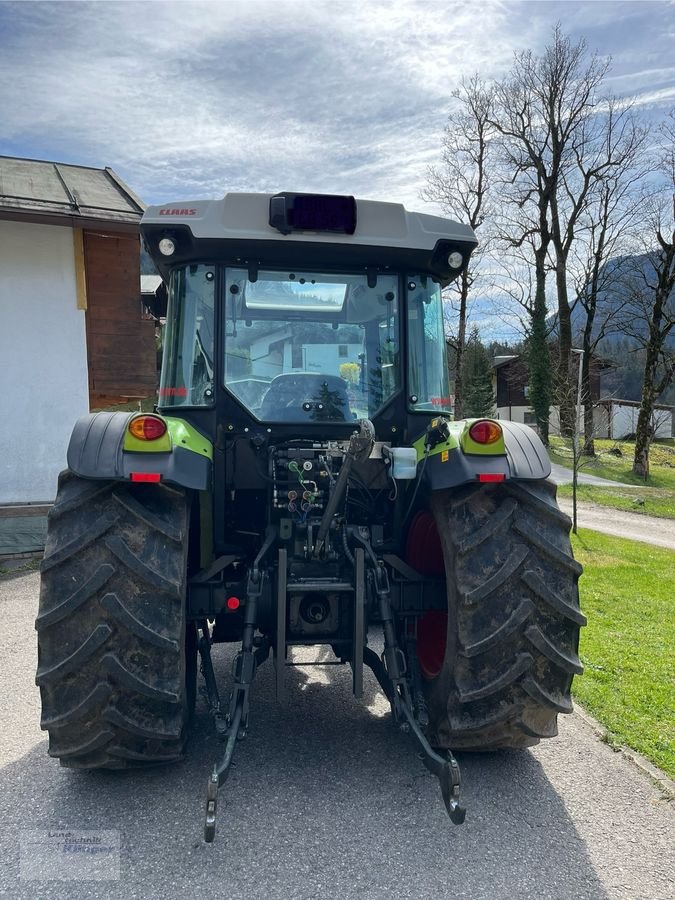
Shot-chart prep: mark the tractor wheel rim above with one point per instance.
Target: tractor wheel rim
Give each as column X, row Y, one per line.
column 424, row 553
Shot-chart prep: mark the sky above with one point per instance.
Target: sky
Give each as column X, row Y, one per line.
column 189, row 100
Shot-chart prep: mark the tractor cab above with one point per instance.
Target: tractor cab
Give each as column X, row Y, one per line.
column 305, row 310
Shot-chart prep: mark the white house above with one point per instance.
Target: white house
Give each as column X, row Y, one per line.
column 615, row 419
column 69, row 288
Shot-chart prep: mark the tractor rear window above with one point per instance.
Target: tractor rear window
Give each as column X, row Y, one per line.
column 309, row 346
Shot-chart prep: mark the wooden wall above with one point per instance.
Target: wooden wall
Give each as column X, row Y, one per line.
column 120, row 344
column 511, row 380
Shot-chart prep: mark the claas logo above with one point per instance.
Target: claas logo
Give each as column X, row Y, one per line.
column 178, row 212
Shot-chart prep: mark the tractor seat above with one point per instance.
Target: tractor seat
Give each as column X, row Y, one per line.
column 306, row 397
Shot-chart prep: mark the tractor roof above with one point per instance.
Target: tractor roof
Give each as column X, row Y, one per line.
column 246, row 217
column 380, row 234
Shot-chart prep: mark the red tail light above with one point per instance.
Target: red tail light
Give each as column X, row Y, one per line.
column 485, row 432
column 147, row 428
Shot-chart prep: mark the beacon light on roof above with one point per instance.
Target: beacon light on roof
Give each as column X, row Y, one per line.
column 167, row 247
column 313, row 212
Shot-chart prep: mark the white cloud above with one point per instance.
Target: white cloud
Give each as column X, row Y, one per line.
column 192, row 99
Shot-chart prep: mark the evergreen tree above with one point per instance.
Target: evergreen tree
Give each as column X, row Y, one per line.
column 539, row 362
column 477, row 376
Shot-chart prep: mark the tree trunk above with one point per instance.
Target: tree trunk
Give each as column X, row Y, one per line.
column 658, row 333
column 643, row 435
column 539, row 359
column 566, row 394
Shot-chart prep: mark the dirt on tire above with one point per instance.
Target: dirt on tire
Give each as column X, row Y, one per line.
column 513, row 617
column 115, row 666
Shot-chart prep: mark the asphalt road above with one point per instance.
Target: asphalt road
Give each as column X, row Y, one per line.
column 326, row 801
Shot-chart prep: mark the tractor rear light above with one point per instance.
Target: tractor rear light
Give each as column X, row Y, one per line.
column 485, row 432
column 145, row 476
column 233, row 603
column 147, row 428
column 491, row 476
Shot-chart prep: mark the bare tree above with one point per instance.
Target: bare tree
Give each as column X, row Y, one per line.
column 523, row 244
column 652, row 298
column 601, row 254
column 560, row 139
column 461, row 185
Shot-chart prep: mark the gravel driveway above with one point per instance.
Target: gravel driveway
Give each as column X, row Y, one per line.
column 637, row 527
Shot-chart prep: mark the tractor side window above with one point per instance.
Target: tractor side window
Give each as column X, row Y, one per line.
column 187, row 366
column 428, row 385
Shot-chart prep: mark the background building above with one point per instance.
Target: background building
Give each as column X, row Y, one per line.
column 72, row 334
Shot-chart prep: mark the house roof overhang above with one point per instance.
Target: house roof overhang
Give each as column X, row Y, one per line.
column 50, row 193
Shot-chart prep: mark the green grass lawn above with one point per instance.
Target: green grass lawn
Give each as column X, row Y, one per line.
column 644, row 501
column 653, row 497
column 618, row 467
column 628, row 648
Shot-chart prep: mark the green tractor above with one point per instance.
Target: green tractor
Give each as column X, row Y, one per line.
column 302, row 482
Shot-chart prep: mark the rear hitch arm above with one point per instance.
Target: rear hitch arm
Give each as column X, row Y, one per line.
column 395, row 678
column 446, row 769
column 236, row 722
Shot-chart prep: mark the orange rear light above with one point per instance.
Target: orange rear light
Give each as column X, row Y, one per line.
column 485, row 432
column 147, row 428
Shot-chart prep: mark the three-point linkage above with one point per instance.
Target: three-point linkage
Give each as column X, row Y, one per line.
column 396, row 672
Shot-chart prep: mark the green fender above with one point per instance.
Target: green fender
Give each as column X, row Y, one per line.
column 102, row 447
column 519, row 456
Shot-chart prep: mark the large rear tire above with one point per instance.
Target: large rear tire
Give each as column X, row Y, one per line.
column 513, row 619
column 116, row 660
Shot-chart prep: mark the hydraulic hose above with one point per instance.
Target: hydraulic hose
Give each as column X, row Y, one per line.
column 360, row 446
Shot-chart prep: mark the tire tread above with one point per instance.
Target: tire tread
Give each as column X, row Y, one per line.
column 111, row 624
column 514, row 617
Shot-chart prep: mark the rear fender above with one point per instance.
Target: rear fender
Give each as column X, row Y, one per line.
column 520, row 456
column 101, row 447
